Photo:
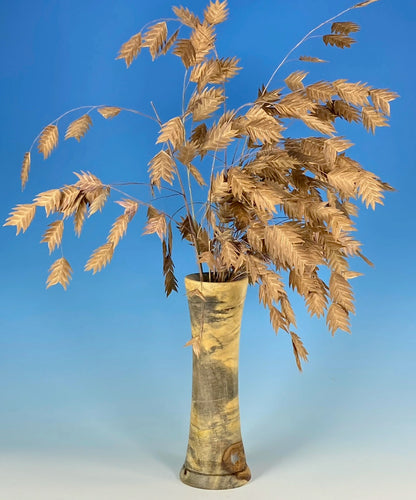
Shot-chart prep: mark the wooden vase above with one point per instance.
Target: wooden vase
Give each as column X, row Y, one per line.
column 215, row 457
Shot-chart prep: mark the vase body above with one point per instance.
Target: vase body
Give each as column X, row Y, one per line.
column 215, row 457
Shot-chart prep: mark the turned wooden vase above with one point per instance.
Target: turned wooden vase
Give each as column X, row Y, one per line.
column 215, row 457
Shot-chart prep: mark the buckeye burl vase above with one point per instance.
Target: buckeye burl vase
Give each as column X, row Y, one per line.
column 215, row 458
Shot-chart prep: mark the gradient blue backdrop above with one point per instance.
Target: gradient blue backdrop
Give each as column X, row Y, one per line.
column 94, row 382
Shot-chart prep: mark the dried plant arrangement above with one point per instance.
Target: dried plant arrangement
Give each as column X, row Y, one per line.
column 277, row 209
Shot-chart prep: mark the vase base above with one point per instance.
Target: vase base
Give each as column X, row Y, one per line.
column 214, row 482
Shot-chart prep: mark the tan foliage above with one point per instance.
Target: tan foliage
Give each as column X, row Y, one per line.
column 59, row 273
column 262, row 127
column 172, row 131
column 155, row 38
column 340, row 41
column 53, row 236
column 337, row 319
column 320, row 91
column 294, row 80
column 48, row 140
column 24, row 173
column 186, row 17
column 130, row 207
column 161, row 167
column 299, row 350
column 118, row 229
column 312, row 59
column 186, row 51
column 79, row 216
column 156, row 223
column 109, row 111
column 344, row 28
column 381, row 99
column 203, row 41
column 21, row 217
column 100, row 258
column 50, row 200
column 216, row 12
column 88, row 182
column 171, row 284
column 196, row 174
column 352, row 93
column 344, row 110
column 371, row 119
column 170, row 42
column 214, row 71
column 97, row 204
column 273, row 203
column 364, row 4
column 78, row 128
column 187, row 152
column 70, row 200
column 203, row 105
column 130, row 49
column 219, row 136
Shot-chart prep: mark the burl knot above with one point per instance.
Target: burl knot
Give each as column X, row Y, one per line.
column 234, row 460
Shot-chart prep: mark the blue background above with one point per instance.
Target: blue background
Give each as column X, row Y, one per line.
column 94, row 383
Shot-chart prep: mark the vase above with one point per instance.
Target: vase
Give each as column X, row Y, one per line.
column 215, row 457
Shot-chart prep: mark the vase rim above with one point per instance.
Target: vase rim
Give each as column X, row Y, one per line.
column 205, row 275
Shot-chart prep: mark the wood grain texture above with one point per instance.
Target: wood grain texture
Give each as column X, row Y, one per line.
column 215, row 457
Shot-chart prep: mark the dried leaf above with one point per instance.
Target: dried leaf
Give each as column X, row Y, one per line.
column 70, row 199
column 171, row 283
column 381, row 99
column 53, row 236
column 219, row 136
column 203, row 40
column 156, row 223
column 371, row 119
column 88, row 182
column 155, row 38
column 169, row 43
column 99, row 201
column 203, row 105
column 298, row 350
column 186, row 51
column 363, row 4
column 195, row 342
column 196, row 174
column 186, row 17
column 118, row 229
column 172, row 131
column 78, row 128
column 337, row 319
column 353, row 93
column 109, row 111
column 294, row 80
column 344, row 28
column 100, row 258
column 24, row 173
column 216, row 12
column 79, row 216
column 130, row 207
column 51, row 200
column 311, row 59
column 214, row 71
column 130, row 49
column 262, row 127
column 341, row 41
column 21, row 217
column 161, row 166
column 48, row 140
column 59, row 272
